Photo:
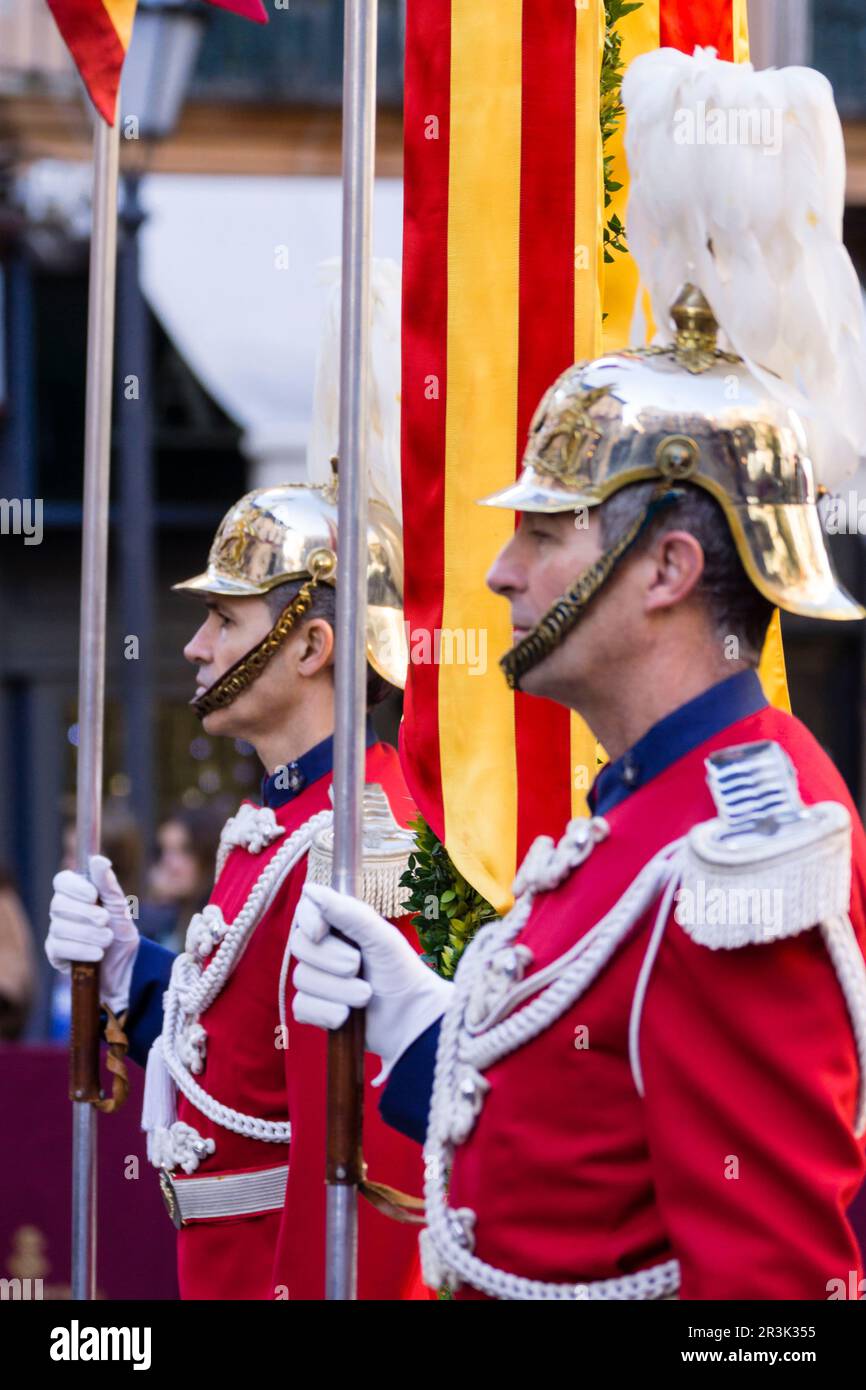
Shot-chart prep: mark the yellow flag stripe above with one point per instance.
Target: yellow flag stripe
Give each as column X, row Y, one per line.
column 588, row 182
column 588, row 281
column 740, row 30
column 640, row 32
column 772, row 667
column 121, row 13
column 476, row 712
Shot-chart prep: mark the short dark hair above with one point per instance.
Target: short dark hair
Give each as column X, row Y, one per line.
column 735, row 607
column 324, row 606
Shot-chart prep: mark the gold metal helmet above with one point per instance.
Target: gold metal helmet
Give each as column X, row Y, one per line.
column 684, row 412
column 289, row 532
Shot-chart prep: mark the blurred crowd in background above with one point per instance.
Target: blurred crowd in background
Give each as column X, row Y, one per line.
column 165, row 891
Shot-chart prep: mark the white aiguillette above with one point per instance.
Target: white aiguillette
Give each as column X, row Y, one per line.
column 767, row 866
column 386, row 846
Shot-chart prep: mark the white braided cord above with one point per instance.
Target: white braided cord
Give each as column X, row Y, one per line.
column 252, row 827
column 284, row 980
column 850, row 967
column 447, row 1242
column 184, row 1004
column 576, row 970
column 465, row 1052
column 643, row 978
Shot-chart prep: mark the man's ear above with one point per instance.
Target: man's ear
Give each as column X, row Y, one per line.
column 317, row 647
column 677, row 560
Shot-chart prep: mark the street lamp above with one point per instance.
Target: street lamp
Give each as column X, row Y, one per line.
column 166, row 39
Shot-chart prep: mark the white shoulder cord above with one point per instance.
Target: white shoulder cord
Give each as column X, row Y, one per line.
column 192, row 989
column 252, row 827
column 484, row 1024
column 643, row 978
column 284, row 978
column 459, row 1089
column 850, row 967
column 848, row 963
column 572, row 972
column 845, row 954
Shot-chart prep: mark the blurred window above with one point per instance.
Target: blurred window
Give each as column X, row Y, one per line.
column 296, row 58
column 839, row 51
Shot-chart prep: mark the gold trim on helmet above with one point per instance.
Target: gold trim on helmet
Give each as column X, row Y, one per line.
column 288, row 532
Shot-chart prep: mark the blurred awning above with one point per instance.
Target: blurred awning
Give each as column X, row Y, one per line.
column 230, row 268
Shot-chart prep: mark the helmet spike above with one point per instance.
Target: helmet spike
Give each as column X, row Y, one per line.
column 383, row 387
column 694, row 320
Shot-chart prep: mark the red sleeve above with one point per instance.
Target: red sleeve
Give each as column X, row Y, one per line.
column 387, row 1250
column 750, row 1077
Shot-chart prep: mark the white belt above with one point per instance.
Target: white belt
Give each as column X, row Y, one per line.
column 228, row 1194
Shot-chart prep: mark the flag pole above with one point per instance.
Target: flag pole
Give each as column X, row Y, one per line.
column 346, row 1046
column 84, row 1084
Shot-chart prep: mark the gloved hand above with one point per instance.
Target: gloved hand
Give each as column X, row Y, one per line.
column 401, row 994
column 91, row 921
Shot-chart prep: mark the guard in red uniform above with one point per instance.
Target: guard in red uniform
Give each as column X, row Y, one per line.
column 235, row 1090
column 649, row 1080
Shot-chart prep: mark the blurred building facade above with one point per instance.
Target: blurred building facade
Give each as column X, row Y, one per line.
column 261, row 127
column 262, row 121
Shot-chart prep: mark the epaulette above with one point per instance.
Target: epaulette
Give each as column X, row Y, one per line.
column 386, row 847
column 767, row 866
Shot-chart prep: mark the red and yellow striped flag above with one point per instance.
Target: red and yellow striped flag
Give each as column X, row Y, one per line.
column 503, row 287
column 723, row 25
column 98, row 33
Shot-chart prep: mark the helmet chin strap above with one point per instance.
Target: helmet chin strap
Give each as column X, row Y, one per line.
column 566, row 612
column 233, row 682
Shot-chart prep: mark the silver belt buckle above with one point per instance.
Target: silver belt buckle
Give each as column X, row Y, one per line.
column 169, row 1197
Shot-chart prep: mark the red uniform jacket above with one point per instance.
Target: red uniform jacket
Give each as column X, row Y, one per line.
column 280, row 1255
column 741, row 1160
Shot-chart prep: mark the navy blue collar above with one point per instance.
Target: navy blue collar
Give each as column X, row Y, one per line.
column 672, row 737
column 292, row 778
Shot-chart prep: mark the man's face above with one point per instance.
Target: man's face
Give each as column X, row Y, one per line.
column 536, row 567
column 232, row 627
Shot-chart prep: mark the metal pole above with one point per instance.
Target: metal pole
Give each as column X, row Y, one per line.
column 136, row 557
column 84, row 1048
column 346, row 1047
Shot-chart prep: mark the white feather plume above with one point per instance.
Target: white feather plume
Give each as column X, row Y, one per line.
column 383, row 453
column 756, row 223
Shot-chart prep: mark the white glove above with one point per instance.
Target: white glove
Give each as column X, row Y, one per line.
column 83, row 930
column 401, row 994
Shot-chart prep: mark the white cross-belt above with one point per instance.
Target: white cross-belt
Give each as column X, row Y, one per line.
column 234, row 1194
